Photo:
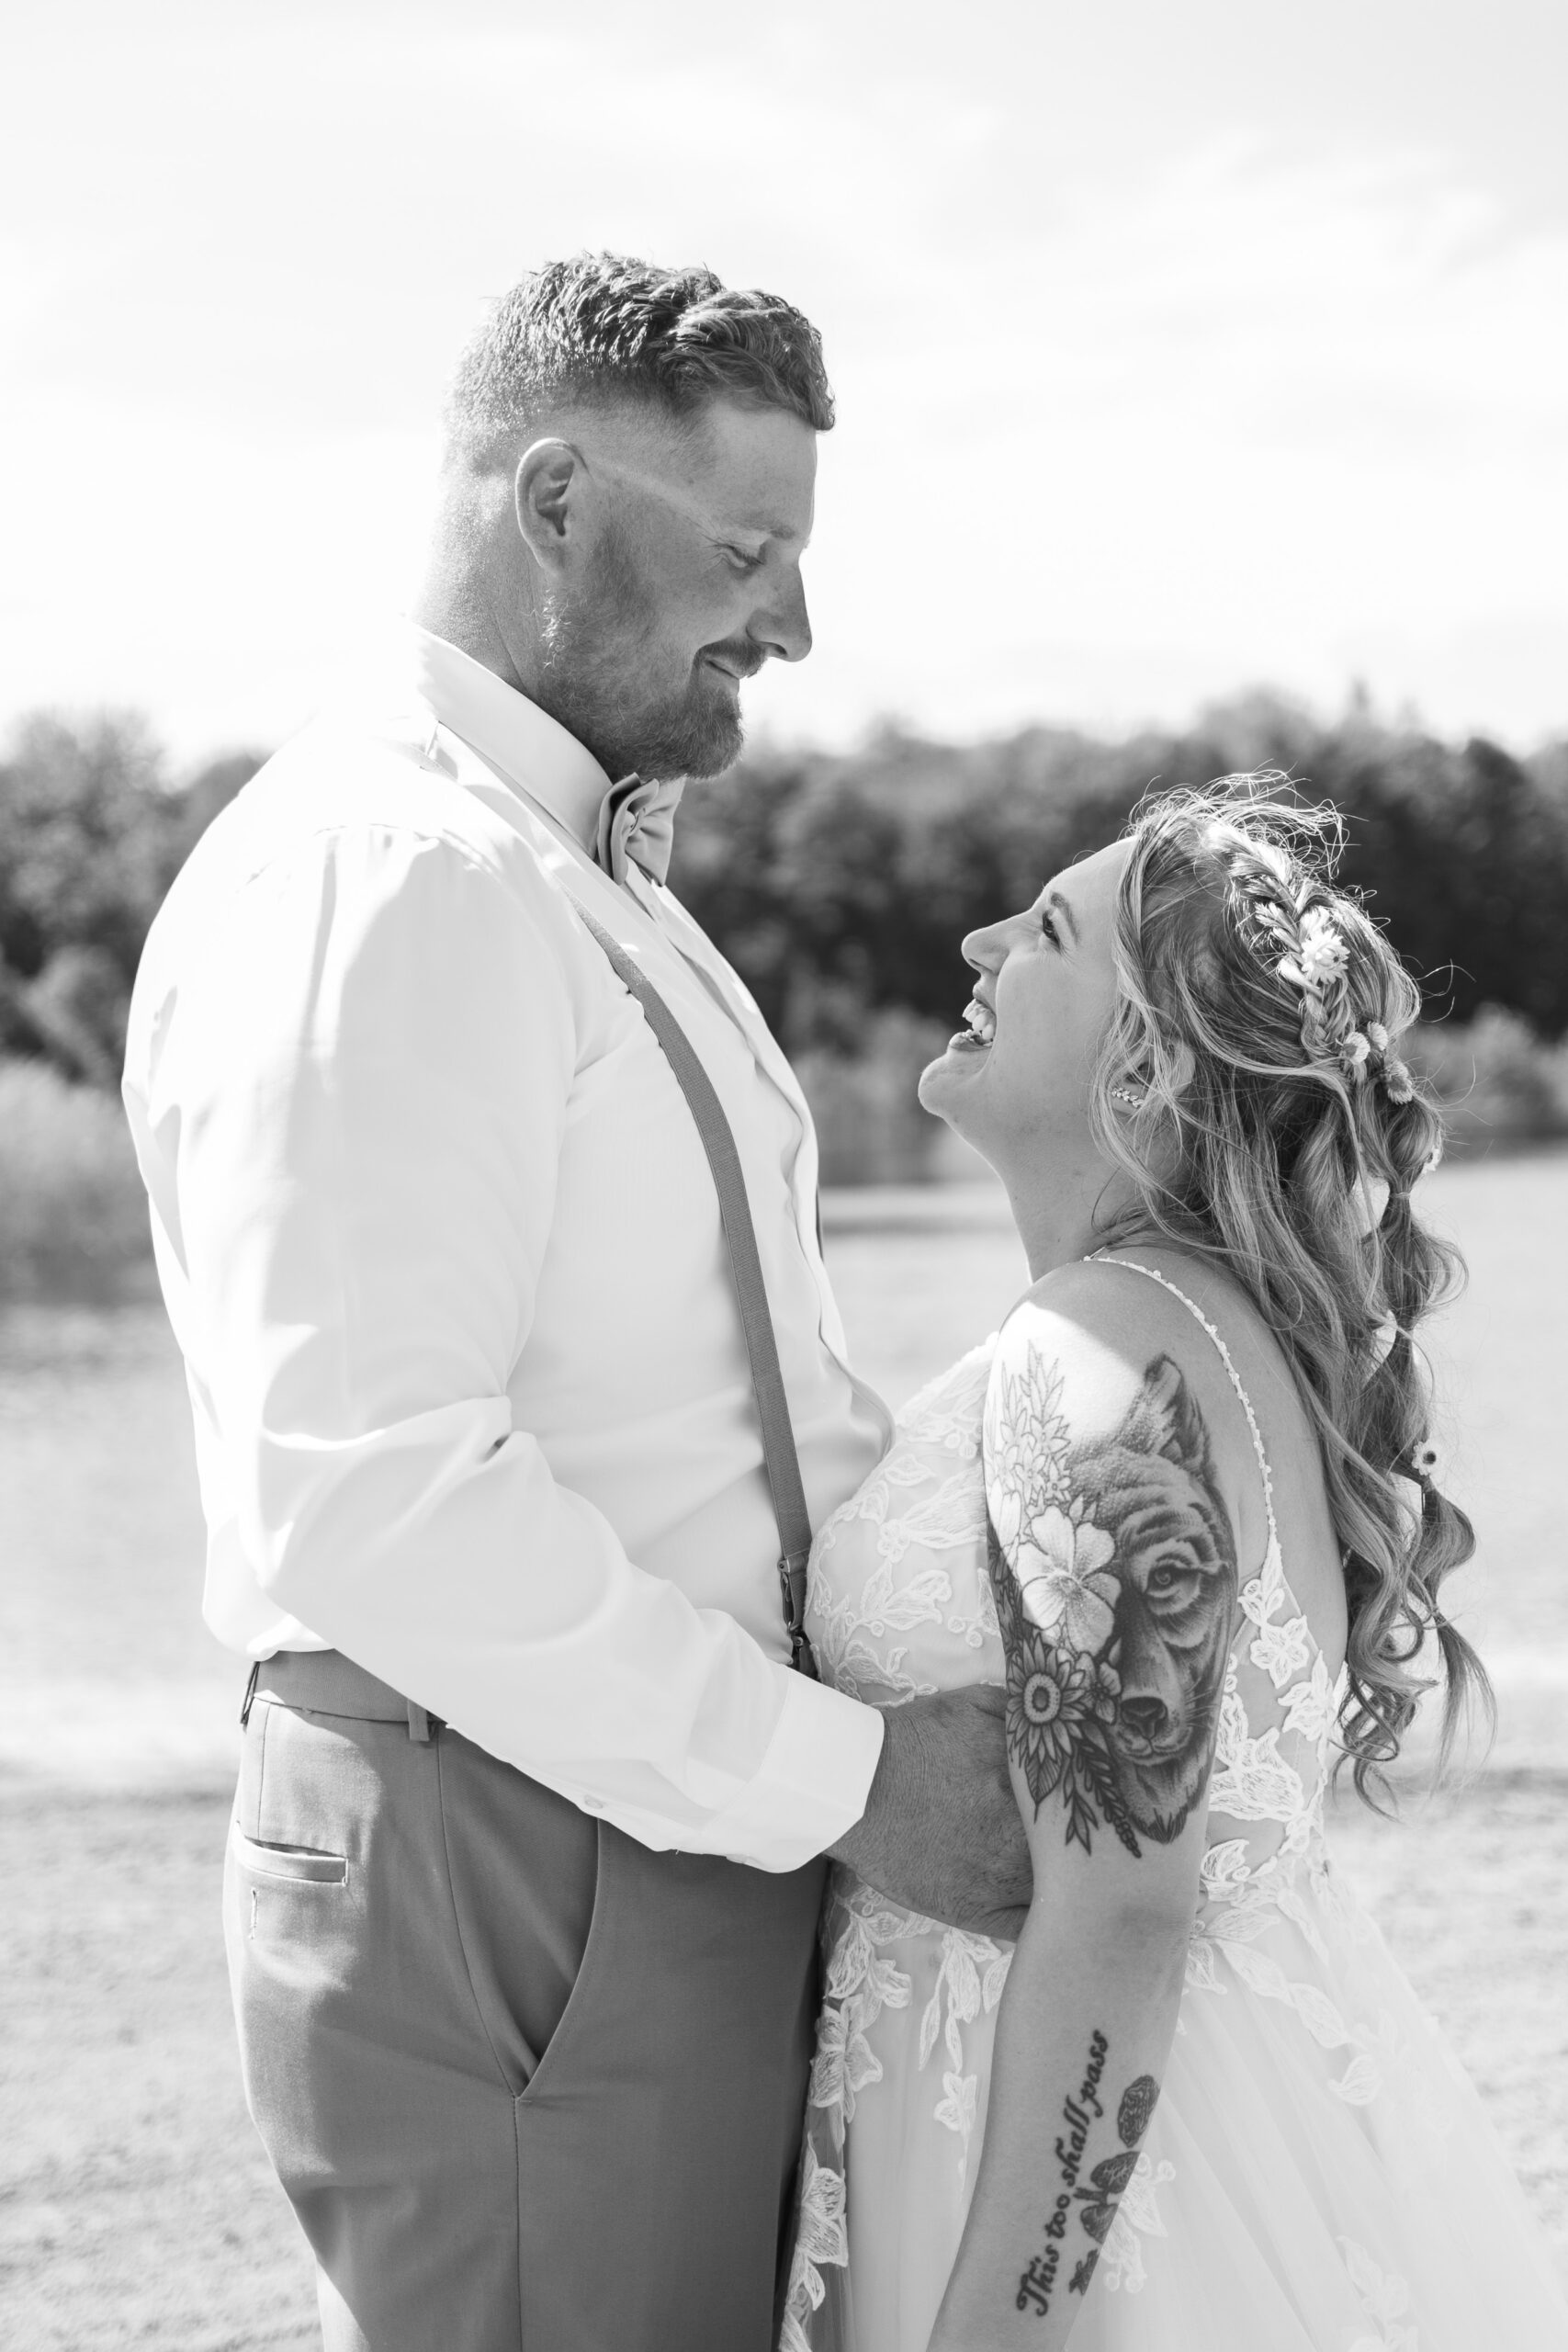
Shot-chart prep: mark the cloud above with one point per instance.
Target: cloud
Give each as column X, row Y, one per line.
column 1137, row 399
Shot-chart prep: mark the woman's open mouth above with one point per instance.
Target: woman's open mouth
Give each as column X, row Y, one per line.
column 982, row 1027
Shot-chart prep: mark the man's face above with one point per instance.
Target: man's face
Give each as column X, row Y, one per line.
column 688, row 581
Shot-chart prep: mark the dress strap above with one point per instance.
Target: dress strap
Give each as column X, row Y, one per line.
column 1153, row 1273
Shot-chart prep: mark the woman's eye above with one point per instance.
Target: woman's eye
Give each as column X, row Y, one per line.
column 1048, row 925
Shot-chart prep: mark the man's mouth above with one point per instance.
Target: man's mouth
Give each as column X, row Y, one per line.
column 981, row 1028
column 737, row 666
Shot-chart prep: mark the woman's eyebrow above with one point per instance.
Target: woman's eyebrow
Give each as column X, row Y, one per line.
column 1055, row 899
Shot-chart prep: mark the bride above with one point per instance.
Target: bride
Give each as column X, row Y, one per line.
column 1182, row 1507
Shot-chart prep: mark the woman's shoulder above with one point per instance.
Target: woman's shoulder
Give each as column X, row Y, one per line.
column 1117, row 1303
column 1127, row 1353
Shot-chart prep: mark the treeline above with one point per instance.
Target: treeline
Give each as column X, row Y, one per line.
column 840, row 886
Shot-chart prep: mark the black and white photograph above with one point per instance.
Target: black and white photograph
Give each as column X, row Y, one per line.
column 783, row 1175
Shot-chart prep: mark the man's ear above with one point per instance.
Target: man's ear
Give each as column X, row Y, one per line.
column 550, row 480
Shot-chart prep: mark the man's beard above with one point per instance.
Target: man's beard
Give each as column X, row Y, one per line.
column 594, row 681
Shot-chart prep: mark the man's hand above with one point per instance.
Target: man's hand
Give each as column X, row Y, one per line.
column 941, row 1832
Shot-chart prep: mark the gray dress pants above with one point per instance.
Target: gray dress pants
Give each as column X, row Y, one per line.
column 529, row 2087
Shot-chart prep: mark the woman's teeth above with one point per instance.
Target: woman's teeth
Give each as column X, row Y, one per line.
column 982, row 1021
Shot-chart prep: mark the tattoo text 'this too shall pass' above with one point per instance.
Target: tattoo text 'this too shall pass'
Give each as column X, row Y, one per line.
column 1039, row 2277
column 1098, row 2198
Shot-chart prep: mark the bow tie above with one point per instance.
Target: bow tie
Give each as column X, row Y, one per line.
column 637, row 825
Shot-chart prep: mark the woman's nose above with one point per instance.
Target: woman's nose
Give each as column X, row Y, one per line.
column 985, row 949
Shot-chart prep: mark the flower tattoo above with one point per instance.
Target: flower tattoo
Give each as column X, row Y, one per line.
column 1062, row 1585
column 1115, row 1577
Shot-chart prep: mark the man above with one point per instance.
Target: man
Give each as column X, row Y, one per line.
column 524, row 1872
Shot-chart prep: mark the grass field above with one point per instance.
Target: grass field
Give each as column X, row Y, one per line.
column 135, row 2205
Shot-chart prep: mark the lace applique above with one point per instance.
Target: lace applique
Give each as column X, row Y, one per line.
column 1120, row 2263
column 1280, row 1650
column 972, row 1972
column 1385, row 2296
column 1311, row 1708
column 820, row 2237
column 1251, row 1780
column 860, row 1986
column 927, row 1502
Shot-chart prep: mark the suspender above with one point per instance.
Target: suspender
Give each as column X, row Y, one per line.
column 746, row 1267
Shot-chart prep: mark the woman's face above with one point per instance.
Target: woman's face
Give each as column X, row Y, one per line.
column 1017, row 1079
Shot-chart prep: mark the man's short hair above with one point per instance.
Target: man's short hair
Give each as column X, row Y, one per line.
column 603, row 326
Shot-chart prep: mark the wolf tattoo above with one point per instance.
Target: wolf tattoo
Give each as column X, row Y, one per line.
column 1116, row 1595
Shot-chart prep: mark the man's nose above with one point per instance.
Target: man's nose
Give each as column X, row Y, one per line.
column 784, row 628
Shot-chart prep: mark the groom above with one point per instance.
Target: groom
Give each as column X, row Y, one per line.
column 524, row 1876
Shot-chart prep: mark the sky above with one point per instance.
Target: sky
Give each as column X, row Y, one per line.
column 1177, row 350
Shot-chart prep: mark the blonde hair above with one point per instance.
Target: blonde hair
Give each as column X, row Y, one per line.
column 1264, row 1131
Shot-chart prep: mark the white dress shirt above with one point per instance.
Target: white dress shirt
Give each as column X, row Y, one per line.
column 441, row 1247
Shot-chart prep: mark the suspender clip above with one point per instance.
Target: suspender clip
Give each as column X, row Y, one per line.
column 792, row 1583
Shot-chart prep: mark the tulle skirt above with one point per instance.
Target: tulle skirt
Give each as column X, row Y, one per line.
column 1319, row 2175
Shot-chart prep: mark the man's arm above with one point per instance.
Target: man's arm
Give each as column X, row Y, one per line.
column 362, row 1091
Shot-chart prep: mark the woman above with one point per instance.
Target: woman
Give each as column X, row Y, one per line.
column 1183, row 1508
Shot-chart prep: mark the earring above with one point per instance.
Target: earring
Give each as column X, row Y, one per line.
column 1125, row 1094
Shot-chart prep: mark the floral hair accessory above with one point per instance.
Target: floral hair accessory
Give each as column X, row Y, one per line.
column 1315, row 962
column 1423, row 1460
column 1320, row 957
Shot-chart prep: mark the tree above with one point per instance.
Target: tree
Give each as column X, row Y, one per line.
column 91, row 836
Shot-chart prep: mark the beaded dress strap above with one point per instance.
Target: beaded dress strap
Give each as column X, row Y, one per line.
column 1153, row 1275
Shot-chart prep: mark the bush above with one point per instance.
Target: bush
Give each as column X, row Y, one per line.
column 1499, row 1084
column 870, row 1126
column 72, row 1212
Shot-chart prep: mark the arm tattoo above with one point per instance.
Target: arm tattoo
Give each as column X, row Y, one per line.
column 1115, row 1577
column 1097, row 2197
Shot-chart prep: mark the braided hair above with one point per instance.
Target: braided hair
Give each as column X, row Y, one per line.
column 1277, row 1132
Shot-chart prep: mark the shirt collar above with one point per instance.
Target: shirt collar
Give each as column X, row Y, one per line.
column 532, row 752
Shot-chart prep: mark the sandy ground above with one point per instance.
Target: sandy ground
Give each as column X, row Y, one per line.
column 136, row 2206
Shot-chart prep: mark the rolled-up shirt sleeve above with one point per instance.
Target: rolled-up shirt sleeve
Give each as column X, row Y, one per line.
column 361, row 1095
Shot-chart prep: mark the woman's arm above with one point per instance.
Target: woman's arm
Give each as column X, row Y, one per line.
column 1114, row 1564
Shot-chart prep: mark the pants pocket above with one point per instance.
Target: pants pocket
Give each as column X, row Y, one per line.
column 299, row 1865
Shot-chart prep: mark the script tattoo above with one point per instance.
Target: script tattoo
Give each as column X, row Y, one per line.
column 1097, row 2197
column 1115, row 1576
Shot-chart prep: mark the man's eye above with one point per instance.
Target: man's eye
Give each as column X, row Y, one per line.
column 743, row 560
column 1048, row 925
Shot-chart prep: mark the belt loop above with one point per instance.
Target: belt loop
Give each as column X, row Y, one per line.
column 250, row 1694
column 419, row 1724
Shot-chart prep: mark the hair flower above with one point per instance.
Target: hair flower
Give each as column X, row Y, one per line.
column 1423, row 1459
column 1378, row 1036
column 1323, row 953
column 1354, row 1049
column 1397, row 1082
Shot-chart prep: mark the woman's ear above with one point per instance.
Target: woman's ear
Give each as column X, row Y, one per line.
column 1183, row 1069
column 550, row 485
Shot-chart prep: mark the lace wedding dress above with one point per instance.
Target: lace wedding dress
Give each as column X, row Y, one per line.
column 1319, row 2175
